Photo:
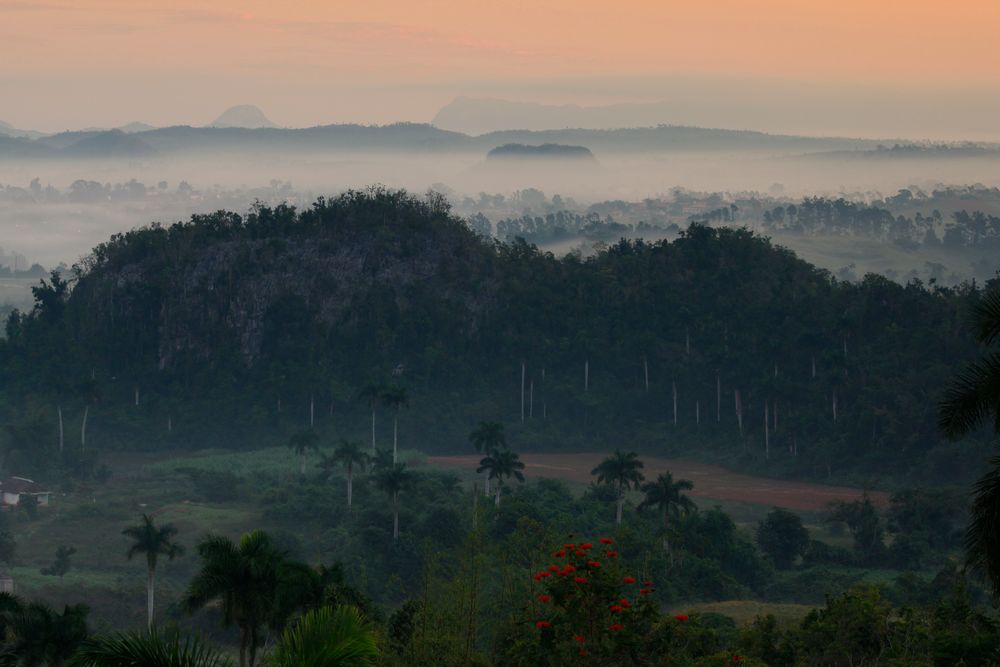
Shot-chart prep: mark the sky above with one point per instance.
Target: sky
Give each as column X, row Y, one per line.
column 861, row 67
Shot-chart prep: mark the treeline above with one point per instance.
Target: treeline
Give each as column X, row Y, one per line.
column 236, row 329
column 817, row 215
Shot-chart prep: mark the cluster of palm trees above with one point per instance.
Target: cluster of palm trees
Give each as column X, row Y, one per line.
column 392, row 396
column 258, row 590
column 498, row 462
column 622, row 471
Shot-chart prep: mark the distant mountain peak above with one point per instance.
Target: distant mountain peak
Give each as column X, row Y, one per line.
column 242, row 115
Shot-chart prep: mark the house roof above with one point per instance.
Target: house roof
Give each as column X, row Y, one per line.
column 21, row 485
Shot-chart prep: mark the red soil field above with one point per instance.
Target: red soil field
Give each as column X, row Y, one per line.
column 710, row 481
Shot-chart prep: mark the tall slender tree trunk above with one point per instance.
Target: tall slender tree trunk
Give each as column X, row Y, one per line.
column 136, row 397
column 531, row 399
column 834, row 402
column 312, row 410
column 645, row 372
column 666, row 537
column 83, row 429
column 487, row 486
column 61, row 433
column 674, row 387
column 373, row 430
column 523, row 371
column 697, row 413
column 150, row 589
column 687, row 341
column 586, row 375
column 814, row 368
column 395, row 434
column 302, row 464
column 767, row 435
column 496, row 502
column 350, row 482
column 739, row 411
column 395, row 516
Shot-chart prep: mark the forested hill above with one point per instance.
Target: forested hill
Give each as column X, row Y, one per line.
column 229, row 330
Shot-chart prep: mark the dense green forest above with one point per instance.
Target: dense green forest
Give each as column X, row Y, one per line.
column 378, row 318
column 235, row 330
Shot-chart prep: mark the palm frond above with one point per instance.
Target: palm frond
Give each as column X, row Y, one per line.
column 149, row 650
column 986, row 318
column 327, row 637
column 982, row 536
column 972, row 398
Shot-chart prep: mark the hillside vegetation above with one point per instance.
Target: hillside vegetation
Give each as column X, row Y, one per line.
column 233, row 331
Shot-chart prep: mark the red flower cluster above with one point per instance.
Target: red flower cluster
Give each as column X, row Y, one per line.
column 615, row 627
column 569, row 546
column 545, row 598
column 543, row 624
column 579, row 553
column 611, row 554
column 681, row 617
column 560, row 554
column 645, row 591
column 616, row 608
column 606, row 540
column 583, row 653
column 629, row 580
column 579, row 638
column 579, row 580
column 623, row 602
column 593, row 564
column 586, row 545
column 737, row 658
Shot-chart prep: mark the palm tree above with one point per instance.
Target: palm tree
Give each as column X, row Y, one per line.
column 487, row 439
column 972, row 400
column 326, row 636
column 501, row 464
column 300, row 443
column 395, row 397
column 349, row 454
column 149, row 650
column 243, row 578
column 154, row 541
column 372, row 394
column 621, row 471
column 667, row 496
column 40, row 636
column 391, row 481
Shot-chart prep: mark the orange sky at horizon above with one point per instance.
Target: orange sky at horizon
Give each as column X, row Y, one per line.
column 53, row 52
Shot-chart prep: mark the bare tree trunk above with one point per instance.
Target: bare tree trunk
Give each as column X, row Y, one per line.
column 767, row 435
column 531, row 399
column 486, row 488
column 776, row 370
column 136, row 397
column 814, row 368
column 618, row 510
column 739, row 411
column 834, row 402
column 150, row 585
column 395, row 433
column 545, row 403
column 170, row 424
column 312, row 410
column 373, row 430
column 302, row 464
column 522, row 390
column 497, row 500
column 586, row 376
column 61, row 434
column 673, row 385
column 83, row 429
column 687, row 341
column 645, row 371
column 395, row 516
column 774, row 415
column 697, row 413
column 350, row 483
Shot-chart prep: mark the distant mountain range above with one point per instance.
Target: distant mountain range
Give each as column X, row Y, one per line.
column 401, row 137
column 480, row 115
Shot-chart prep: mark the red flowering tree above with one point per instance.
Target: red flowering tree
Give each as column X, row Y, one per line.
column 586, row 608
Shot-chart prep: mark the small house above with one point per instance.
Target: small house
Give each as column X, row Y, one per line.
column 6, row 583
column 13, row 489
